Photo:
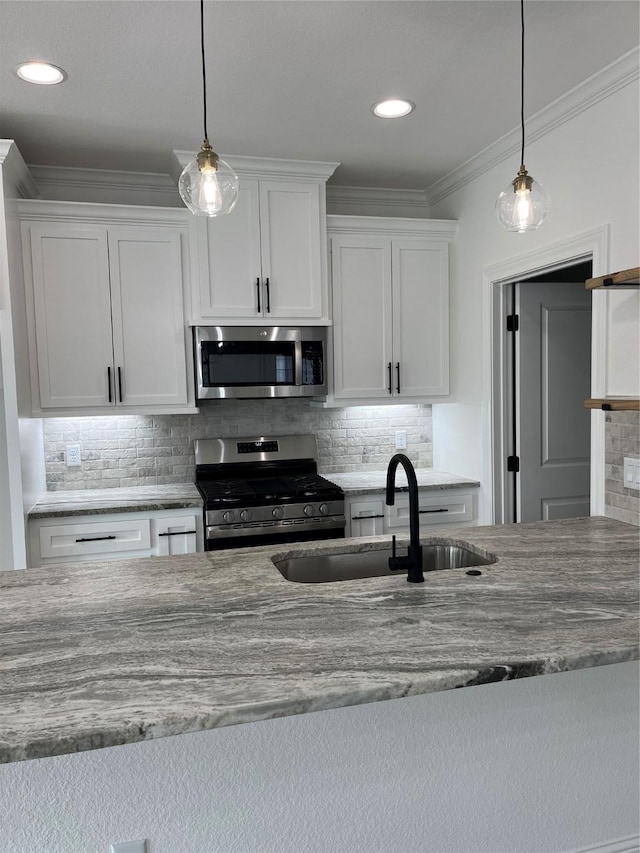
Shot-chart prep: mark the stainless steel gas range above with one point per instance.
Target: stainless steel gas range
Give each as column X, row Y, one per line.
column 265, row 490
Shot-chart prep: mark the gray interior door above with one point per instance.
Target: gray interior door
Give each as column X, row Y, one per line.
column 553, row 370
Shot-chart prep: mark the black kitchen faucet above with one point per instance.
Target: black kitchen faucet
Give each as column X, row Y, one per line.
column 412, row 561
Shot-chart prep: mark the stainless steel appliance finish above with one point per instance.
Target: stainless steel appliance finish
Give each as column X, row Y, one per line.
column 266, row 489
column 259, row 361
column 326, row 568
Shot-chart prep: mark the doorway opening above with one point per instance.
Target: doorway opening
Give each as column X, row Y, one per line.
column 541, row 377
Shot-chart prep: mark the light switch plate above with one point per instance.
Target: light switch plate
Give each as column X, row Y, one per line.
column 130, row 847
column 631, row 473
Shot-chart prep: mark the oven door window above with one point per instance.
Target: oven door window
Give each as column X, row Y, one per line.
column 240, row 363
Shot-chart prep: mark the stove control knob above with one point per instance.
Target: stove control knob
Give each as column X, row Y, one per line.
column 308, row 510
column 245, row 515
column 324, row 509
column 277, row 512
column 228, row 516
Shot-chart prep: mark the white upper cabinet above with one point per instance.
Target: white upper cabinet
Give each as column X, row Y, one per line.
column 266, row 260
column 105, row 309
column 390, row 287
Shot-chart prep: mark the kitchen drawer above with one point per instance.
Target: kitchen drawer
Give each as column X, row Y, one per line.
column 449, row 508
column 94, row 538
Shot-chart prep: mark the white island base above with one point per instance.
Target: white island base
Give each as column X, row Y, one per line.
column 540, row 764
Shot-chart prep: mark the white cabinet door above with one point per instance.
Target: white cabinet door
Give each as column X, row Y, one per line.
column 176, row 535
column 365, row 516
column 290, row 230
column 451, row 506
column 229, row 265
column 72, row 315
column 148, row 320
column 362, row 316
column 263, row 261
column 420, row 279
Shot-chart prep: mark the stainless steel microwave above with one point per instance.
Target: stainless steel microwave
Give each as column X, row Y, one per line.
column 259, row 361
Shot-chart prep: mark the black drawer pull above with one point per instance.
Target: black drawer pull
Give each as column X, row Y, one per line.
column 423, row 511
column 94, row 538
column 177, row 533
column 364, row 517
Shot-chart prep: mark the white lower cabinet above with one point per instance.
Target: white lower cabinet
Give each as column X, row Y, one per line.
column 114, row 536
column 365, row 516
column 368, row 515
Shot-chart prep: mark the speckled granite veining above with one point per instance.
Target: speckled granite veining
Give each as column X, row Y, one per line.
column 99, row 501
column 370, row 482
column 101, row 654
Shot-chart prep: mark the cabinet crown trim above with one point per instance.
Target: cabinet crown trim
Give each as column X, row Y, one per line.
column 441, row 229
column 101, row 214
column 264, row 167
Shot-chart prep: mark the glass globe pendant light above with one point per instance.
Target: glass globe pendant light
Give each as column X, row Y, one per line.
column 208, row 185
column 523, row 205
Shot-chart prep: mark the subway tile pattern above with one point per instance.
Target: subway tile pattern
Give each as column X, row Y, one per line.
column 622, row 438
column 133, row 450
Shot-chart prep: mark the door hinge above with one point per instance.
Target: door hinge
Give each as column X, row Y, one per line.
column 513, row 463
column 513, row 322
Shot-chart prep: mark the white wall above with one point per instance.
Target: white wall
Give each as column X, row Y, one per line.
column 589, row 164
column 541, row 764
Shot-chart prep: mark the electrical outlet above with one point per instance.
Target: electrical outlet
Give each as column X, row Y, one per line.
column 72, row 455
column 130, row 847
column 401, row 439
column 631, row 473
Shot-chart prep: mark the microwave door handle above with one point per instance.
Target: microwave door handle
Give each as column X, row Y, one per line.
column 298, row 362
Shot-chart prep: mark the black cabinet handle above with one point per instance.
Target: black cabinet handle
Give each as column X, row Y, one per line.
column 398, row 376
column 424, row 511
column 390, row 388
column 177, row 533
column 109, row 383
column 258, row 289
column 266, row 284
column 120, row 382
column 364, row 517
column 94, row 538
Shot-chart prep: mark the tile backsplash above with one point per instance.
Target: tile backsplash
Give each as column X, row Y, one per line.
column 622, row 438
column 147, row 450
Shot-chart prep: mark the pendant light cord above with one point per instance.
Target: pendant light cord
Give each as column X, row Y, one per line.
column 204, row 73
column 522, row 78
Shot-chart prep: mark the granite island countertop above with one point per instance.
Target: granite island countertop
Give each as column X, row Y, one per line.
column 372, row 482
column 100, row 501
column 95, row 655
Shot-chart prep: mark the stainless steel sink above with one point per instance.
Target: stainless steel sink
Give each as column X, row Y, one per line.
column 326, row 568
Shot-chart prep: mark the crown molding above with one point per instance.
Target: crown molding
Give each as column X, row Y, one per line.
column 56, row 182
column 438, row 229
column 591, row 91
column 11, row 160
column 257, row 167
column 377, row 201
column 32, row 210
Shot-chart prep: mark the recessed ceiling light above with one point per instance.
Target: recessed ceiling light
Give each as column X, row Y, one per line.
column 393, row 108
column 40, row 72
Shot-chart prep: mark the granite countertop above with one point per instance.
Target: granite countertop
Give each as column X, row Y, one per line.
column 95, row 655
column 99, row 501
column 371, row 482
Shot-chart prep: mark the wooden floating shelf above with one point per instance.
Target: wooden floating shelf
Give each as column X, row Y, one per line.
column 625, row 279
column 615, row 404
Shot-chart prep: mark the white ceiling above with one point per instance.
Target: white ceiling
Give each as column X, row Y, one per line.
column 294, row 78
